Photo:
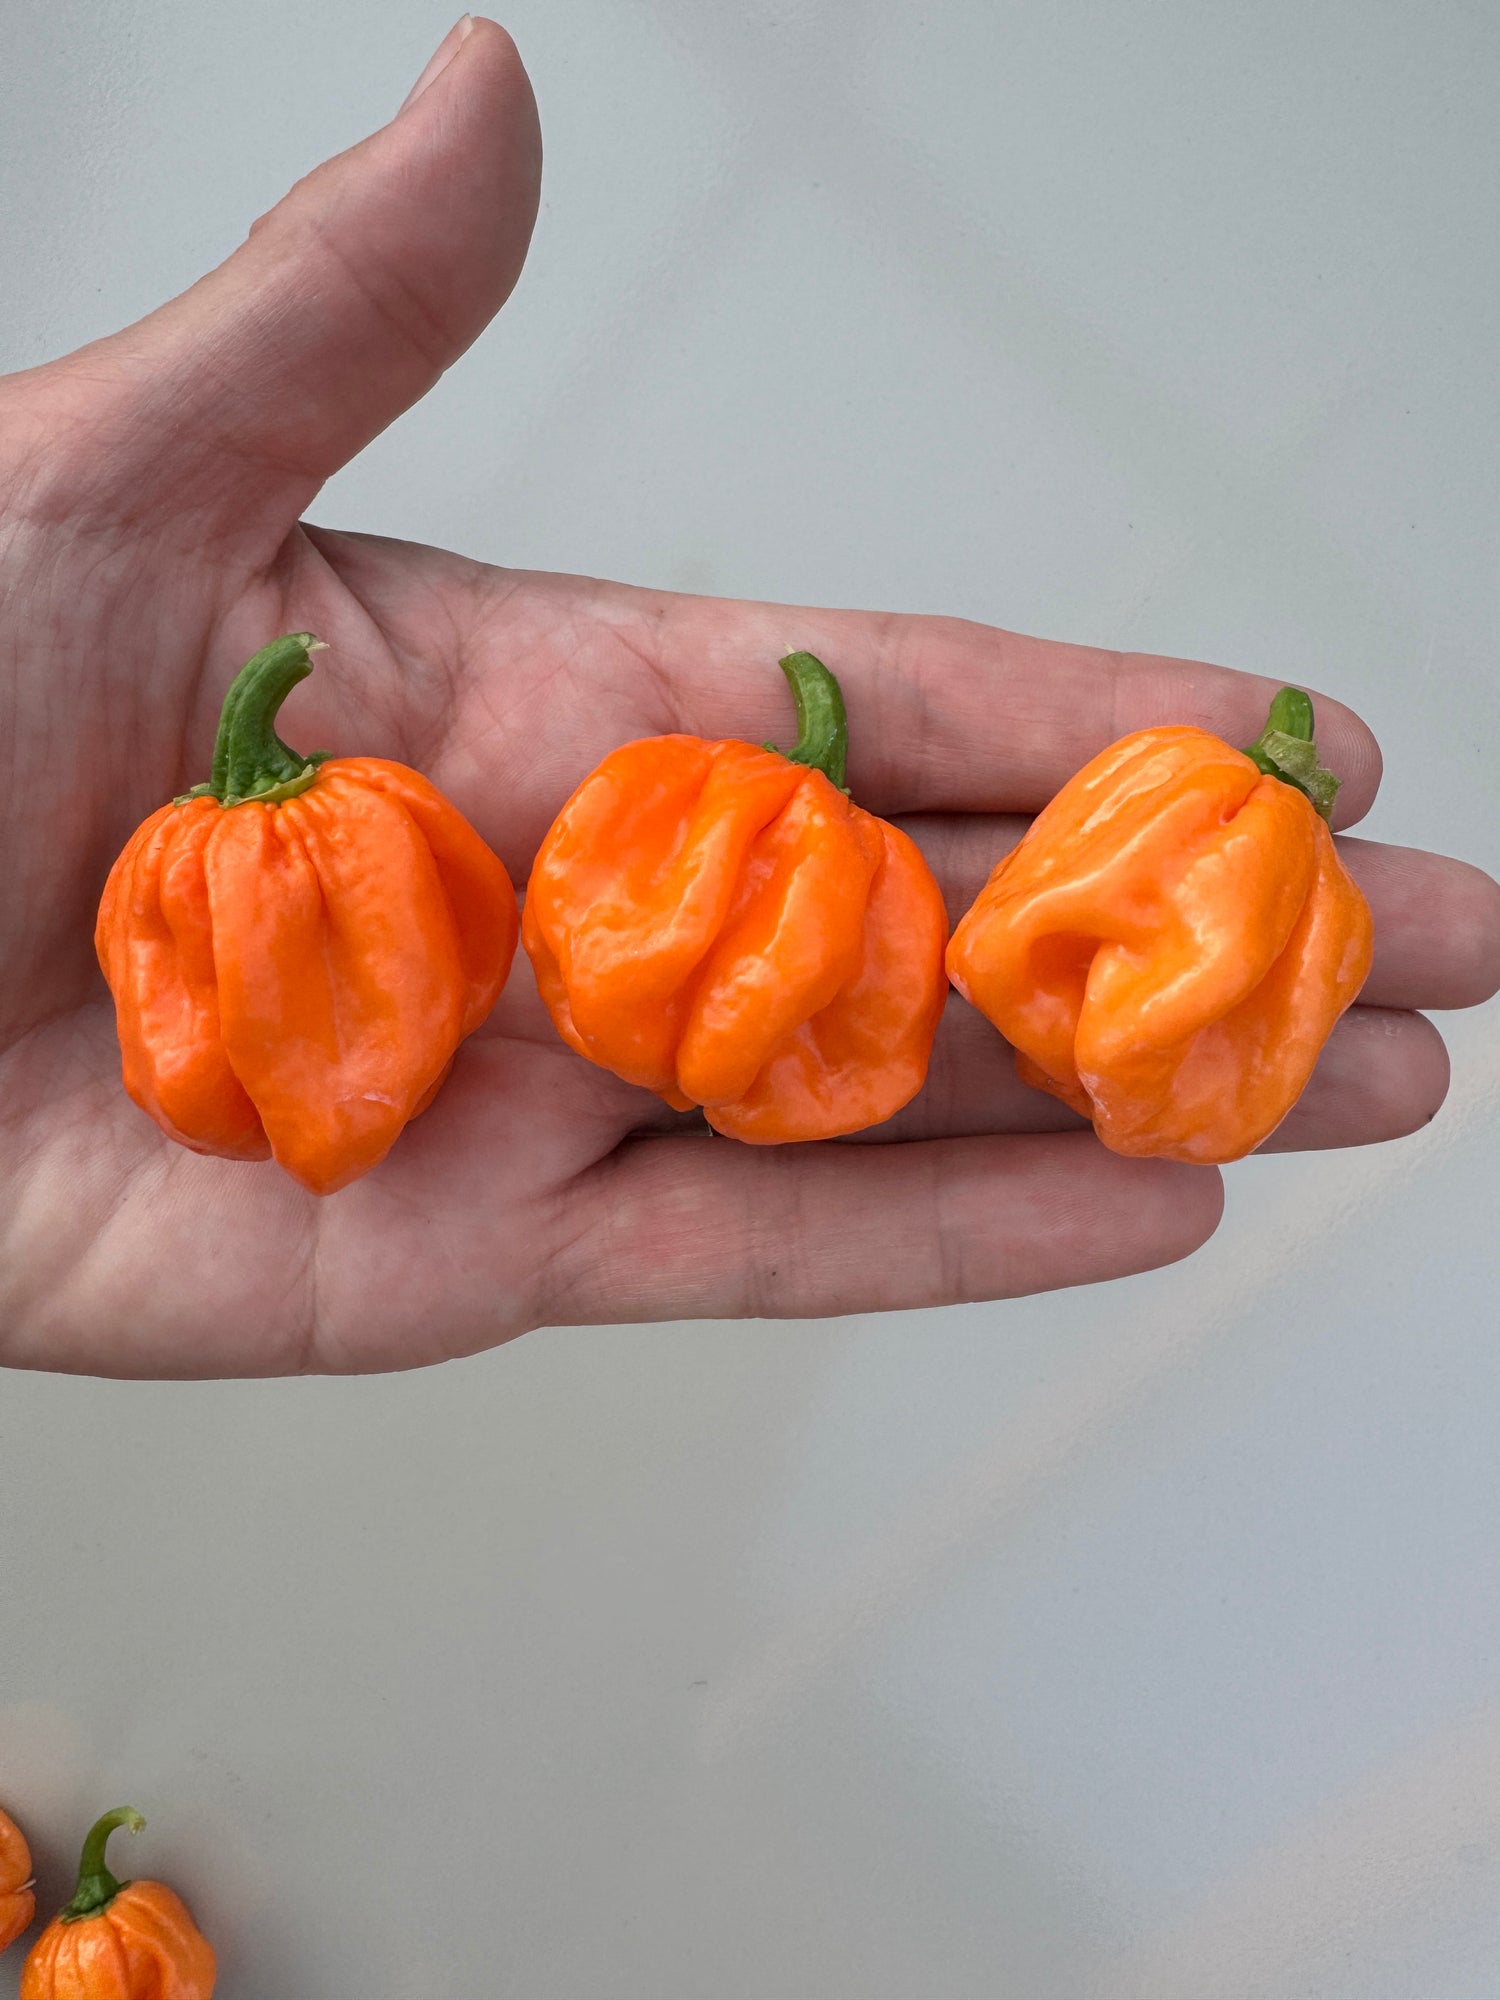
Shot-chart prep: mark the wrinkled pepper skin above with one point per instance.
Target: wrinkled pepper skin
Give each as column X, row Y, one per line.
column 1170, row 945
column 719, row 924
column 114, row 1941
column 17, row 1904
column 292, row 974
column 145, row 1946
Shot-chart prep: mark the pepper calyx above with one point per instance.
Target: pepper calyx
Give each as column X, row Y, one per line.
column 1285, row 749
column 97, row 1887
column 822, row 721
column 250, row 760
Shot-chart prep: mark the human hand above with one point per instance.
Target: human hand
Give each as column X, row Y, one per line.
column 151, row 488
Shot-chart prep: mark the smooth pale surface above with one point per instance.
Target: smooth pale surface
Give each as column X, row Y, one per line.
column 1141, row 1644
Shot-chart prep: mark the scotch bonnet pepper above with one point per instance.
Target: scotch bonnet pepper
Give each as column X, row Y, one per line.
column 119, row 1940
column 1171, row 943
column 720, row 924
column 297, row 947
column 17, row 1903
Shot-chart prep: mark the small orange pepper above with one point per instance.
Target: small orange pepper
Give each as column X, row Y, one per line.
column 720, row 924
column 297, row 947
column 119, row 1940
column 17, row 1903
column 1171, row 943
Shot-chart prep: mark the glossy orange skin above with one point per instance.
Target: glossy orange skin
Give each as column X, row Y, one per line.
column 1169, row 947
column 17, row 1904
column 725, row 928
column 291, row 980
column 142, row 1945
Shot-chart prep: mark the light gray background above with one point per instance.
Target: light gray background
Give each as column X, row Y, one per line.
column 1140, row 1644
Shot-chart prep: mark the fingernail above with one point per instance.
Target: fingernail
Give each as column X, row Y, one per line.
column 442, row 55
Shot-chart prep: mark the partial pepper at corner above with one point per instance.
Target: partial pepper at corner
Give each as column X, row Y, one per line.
column 119, row 1940
column 1173, row 940
column 719, row 923
column 297, row 948
column 17, row 1903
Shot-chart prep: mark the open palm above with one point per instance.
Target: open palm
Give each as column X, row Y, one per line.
column 151, row 489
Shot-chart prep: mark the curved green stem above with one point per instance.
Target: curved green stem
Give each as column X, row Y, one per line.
column 250, row 759
column 1285, row 749
column 822, row 725
column 97, row 1888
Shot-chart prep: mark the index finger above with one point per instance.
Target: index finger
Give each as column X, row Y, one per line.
column 950, row 716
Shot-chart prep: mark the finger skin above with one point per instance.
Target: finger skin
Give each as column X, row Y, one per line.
column 944, row 715
column 949, row 716
column 234, row 402
column 679, row 1228
column 1437, row 926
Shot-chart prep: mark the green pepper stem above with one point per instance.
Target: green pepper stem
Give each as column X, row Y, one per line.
column 822, row 724
column 97, row 1888
column 1285, row 749
column 250, row 759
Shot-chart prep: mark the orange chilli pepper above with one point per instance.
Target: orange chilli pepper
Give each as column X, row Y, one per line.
column 719, row 923
column 17, row 1904
column 118, row 1940
column 1171, row 943
column 297, row 947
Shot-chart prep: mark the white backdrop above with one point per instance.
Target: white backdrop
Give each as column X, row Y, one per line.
column 1136, row 1644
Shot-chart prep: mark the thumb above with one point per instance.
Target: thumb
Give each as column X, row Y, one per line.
column 232, row 404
